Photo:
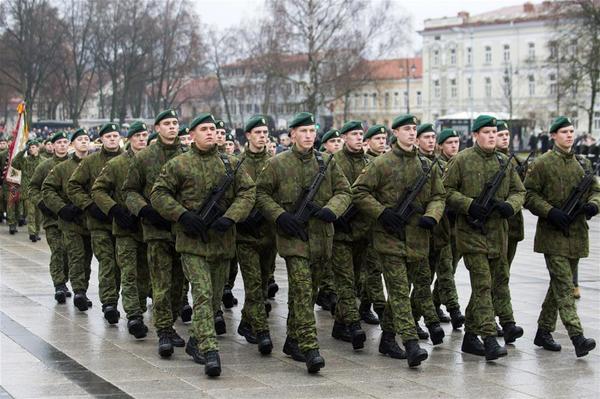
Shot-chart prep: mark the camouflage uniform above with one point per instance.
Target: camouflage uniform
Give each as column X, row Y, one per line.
column 103, row 242
column 27, row 165
column 550, row 179
column 484, row 254
column 131, row 257
column 3, row 191
column 76, row 236
column 184, row 184
column 380, row 186
column 163, row 261
column 516, row 226
column 59, row 265
column 279, row 186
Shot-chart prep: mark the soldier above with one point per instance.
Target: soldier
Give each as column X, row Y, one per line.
column 221, row 132
column 27, row 164
column 185, row 312
column 183, row 185
column 132, row 262
column 550, row 180
column 3, row 187
column 59, row 265
column 185, row 137
column 75, row 234
column 229, row 146
column 152, row 138
column 332, row 141
column 304, row 248
column 402, row 246
column 484, row 249
column 376, row 140
column 48, row 148
column 164, row 262
column 99, row 223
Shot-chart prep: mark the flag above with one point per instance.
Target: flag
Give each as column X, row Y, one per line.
column 20, row 136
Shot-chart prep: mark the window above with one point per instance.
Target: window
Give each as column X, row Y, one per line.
column 386, row 100
column 531, row 80
column 596, row 120
column 436, row 57
column 469, row 55
column 488, row 87
column 553, row 85
column 453, row 88
column 531, row 51
column 396, row 99
column 452, row 56
column 506, row 53
column 469, row 87
column 365, row 101
column 356, row 102
column 419, row 98
column 374, row 100
column 488, row 55
column 436, row 88
column 553, row 50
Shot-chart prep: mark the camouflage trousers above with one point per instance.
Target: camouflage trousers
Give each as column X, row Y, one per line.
column 347, row 261
column 232, row 273
column 59, row 263
column 559, row 298
column 132, row 261
column 512, row 251
column 255, row 265
column 197, row 270
column 166, row 276
column 14, row 212
column 218, row 274
column 79, row 253
column 441, row 263
column 370, row 285
column 184, row 292
column 397, row 315
column 303, row 281
column 421, row 302
column 490, row 294
column 327, row 284
column 34, row 218
column 109, row 275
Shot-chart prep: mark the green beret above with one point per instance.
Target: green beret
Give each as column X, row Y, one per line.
column 350, row 126
column 183, row 131
column 2, row 138
column 425, row 128
column 58, row 135
column 446, row 134
column 484, row 121
column 559, row 123
column 47, row 140
column 220, row 124
column 136, row 127
column 406, row 119
column 302, row 119
column 393, row 140
column 152, row 136
column 375, row 130
column 229, row 137
column 108, row 128
column 79, row 132
column 502, row 125
column 206, row 117
column 322, row 148
column 329, row 135
column 166, row 114
column 255, row 121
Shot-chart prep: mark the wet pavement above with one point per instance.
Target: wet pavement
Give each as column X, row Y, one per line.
column 49, row 350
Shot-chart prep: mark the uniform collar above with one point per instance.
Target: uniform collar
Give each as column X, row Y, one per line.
column 57, row 158
column 372, row 153
column 111, row 154
column 482, row 152
column 302, row 155
column 176, row 144
column 562, row 153
column 503, row 150
column 211, row 151
column 358, row 154
column 255, row 155
column 443, row 157
column 428, row 156
column 403, row 153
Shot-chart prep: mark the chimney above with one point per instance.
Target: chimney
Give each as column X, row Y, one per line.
column 464, row 15
column 528, row 7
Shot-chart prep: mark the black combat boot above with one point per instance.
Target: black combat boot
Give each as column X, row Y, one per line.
column 388, row 346
column 582, row 345
column 60, row 293
column 186, row 313
column 165, row 346
column 268, row 307
column 88, row 301
column 323, row 300
column 441, row 315
column 357, row 334
column 364, row 310
column 136, row 327
column 544, row 339
column 456, row 318
column 436, row 332
column 22, row 222
column 414, row 353
column 340, row 331
column 314, row 361
column 220, row 327
column 80, row 301
column 212, row 365
column 332, row 302
column 493, row 350
column 420, row 332
column 265, row 345
column 12, row 229
column 499, row 330
column 245, row 330
column 290, row 348
column 272, row 289
column 473, row 345
column 32, row 237
column 191, row 349
column 511, row 332
column 227, row 298
column 379, row 310
column 176, row 339
column 111, row 314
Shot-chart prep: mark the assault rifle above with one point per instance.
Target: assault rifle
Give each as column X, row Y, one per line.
column 521, row 167
column 574, row 204
column 305, row 207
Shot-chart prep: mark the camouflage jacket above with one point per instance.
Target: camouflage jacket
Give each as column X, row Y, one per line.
column 383, row 183
column 466, row 176
column 27, row 165
column 550, row 179
column 144, row 171
column 516, row 225
column 35, row 185
column 352, row 164
column 82, row 180
column 279, row 186
column 442, row 232
column 107, row 190
column 45, row 154
column 184, row 184
column 54, row 192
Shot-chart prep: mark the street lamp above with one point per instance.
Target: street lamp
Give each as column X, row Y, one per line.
column 408, row 73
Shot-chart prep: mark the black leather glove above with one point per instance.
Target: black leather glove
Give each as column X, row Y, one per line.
column 476, row 211
column 192, row 223
column 505, row 209
column 342, row 226
column 44, row 209
column 97, row 213
column 123, row 217
column 391, row 222
column 427, row 222
column 69, row 212
column 291, row 226
column 590, row 210
column 559, row 218
column 153, row 217
column 326, row 215
column 222, row 224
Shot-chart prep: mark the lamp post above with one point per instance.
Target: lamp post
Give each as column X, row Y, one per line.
column 408, row 73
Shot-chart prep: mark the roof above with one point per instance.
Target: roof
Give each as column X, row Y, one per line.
column 397, row 68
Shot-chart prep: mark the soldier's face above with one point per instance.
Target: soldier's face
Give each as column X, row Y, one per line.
column 139, row 141
column 426, row 142
column 304, row 137
column 285, row 140
column 450, row 146
column 61, row 147
column 220, row 136
column 406, row 135
column 3, row 145
column 81, row 143
column 272, row 148
column 111, row 140
column 564, row 137
column 486, row 137
column 334, row 145
column 229, row 147
column 168, row 129
column 49, row 147
column 377, row 143
column 186, row 139
column 205, row 136
column 502, row 139
column 354, row 140
column 257, row 138
column 34, row 149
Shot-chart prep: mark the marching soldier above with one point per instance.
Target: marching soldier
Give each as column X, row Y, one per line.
column 221, row 132
column 3, row 186
column 304, row 248
column 561, row 237
column 26, row 161
column 184, row 137
column 375, row 140
column 48, row 151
